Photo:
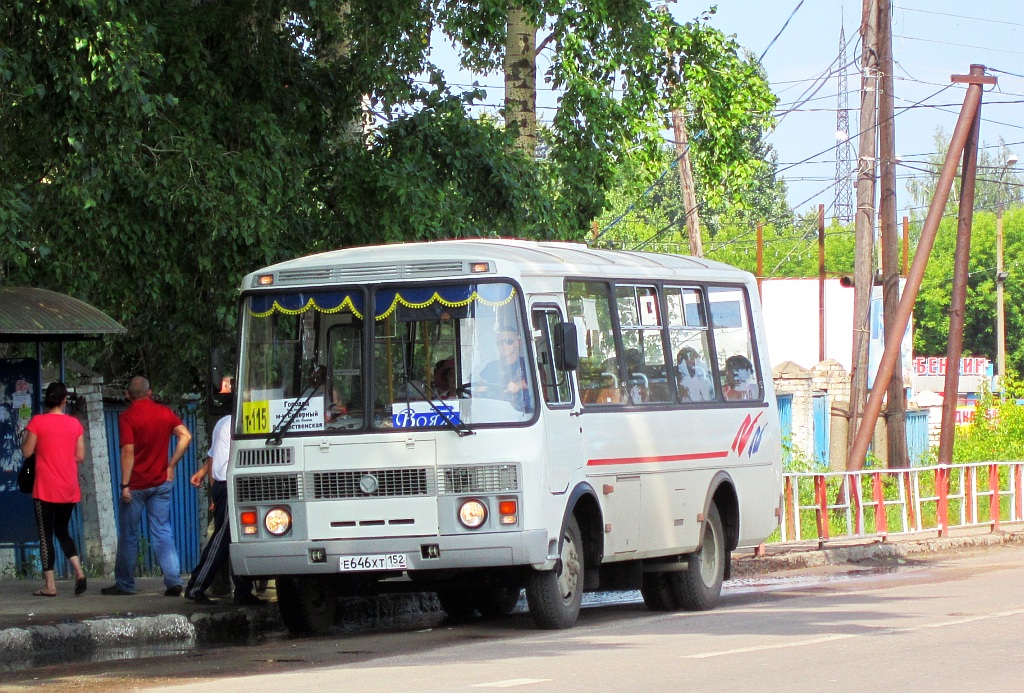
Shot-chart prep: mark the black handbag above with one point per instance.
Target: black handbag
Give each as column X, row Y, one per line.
column 27, row 474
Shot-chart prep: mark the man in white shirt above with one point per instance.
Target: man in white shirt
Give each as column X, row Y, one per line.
column 217, row 551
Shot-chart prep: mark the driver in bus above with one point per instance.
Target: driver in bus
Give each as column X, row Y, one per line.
column 505, row 377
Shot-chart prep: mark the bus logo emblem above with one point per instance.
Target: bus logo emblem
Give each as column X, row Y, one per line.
column 368, row 484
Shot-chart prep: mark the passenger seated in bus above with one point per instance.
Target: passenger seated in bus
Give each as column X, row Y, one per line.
column 636, row 384
column 505, row 377
column 739, row 379
column 694, row 381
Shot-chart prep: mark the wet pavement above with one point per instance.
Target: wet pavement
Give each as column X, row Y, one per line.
column 95, row 627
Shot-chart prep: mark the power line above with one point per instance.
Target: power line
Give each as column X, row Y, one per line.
column 1001, row 22
column 958, row 45
column 772, row 43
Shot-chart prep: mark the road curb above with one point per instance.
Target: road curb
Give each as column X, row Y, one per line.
column 31, row 646
column 812, row 557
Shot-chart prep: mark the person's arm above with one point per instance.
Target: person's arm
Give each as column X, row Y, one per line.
column 202, row 472
column 80, row 449
column 127, row 464
column 28, row 446
column 184, row 439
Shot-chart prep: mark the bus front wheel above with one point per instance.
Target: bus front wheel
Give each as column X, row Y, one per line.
column 307, row 604
column 555, row 596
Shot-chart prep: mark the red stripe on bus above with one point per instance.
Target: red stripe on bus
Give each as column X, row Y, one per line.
column 664, row 458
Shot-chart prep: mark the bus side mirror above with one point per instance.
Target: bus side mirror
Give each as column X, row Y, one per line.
column 567, row 354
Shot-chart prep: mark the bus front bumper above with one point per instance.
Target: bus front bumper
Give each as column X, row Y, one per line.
column 463, row 551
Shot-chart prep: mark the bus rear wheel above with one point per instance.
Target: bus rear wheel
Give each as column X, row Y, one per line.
column 698, row 588
column 555, row 596
column 307, row 604
column 497, row 602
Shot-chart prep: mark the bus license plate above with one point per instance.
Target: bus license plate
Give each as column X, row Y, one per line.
column 386, row 561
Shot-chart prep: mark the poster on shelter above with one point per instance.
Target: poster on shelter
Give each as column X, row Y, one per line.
column 19, row 388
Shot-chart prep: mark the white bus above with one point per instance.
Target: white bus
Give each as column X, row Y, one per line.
column 476, row 417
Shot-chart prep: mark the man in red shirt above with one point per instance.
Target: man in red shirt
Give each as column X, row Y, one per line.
column 147, row 479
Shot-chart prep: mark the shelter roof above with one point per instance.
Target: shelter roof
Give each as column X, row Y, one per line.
column 39, row 315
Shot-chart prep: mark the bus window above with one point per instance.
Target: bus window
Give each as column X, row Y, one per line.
column 589, row 307
column 643, row 371
column 688, row 336
column 734, row 344
column 455, row 350
column 554, row 385
column 344, row 370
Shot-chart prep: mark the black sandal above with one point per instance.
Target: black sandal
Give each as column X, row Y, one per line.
column 80, row 585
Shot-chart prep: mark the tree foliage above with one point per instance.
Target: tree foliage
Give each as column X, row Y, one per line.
column 153, row 153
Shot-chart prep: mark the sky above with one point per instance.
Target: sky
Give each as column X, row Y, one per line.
column 932, row 39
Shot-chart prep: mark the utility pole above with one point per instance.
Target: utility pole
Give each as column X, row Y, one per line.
column 686, row 182
column 959, row 143
column 865, row 220
column 896, row 416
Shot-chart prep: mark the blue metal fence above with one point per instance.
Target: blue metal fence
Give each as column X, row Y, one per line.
column 786, row 424
column 185, row 498
column 917, row 437
column 822, row 425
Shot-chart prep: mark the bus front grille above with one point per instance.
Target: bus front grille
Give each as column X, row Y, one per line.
column 492, row 478
column 264, row 457
column 372, row 483
column 267, row 488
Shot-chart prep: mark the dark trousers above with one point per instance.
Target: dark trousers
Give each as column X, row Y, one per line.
column 217, row 551
column 53, row 519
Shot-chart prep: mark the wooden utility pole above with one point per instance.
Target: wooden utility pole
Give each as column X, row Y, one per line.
column 963, row 141
column 821, row 283
column 686, row 182
column 865, row 220
column 896, row 417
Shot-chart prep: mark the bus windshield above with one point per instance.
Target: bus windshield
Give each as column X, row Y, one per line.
column 439, row 356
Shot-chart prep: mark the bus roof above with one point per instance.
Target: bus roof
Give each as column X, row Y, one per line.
column 436, row 259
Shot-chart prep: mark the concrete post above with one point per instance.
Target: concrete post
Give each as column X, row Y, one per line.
column 99, row 528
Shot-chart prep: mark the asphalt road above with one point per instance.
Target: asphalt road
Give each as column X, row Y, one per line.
column 945, row 622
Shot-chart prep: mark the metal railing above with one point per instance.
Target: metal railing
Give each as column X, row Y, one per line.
column 824, row 506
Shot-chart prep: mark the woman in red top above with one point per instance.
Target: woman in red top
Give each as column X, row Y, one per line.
column 58, row 443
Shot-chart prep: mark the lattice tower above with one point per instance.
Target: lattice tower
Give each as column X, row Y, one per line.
column 844, row 149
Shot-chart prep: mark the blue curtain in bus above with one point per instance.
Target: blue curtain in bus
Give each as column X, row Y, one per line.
column 386, row 300
column 263, row 305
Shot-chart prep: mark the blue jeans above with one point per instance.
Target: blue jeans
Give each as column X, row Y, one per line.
column 156, row 502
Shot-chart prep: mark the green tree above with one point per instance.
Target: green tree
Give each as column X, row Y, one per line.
column 931, row 311
column 153, row 153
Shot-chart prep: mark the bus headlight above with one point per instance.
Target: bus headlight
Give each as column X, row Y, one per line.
column 472, row 513
column 278, row 521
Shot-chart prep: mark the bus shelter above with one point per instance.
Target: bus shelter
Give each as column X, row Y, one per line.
column 41, row 317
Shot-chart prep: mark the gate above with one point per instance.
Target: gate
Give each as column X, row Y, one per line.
column 822, row 422
column 185, row 516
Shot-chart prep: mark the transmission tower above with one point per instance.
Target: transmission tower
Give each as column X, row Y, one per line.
column 844, row 150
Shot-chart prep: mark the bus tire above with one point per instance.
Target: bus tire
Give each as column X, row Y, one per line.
column 555, row 596
column 698, row 588
column 459, row 605
column 657, row 591
column 307, row 604
column 497, row 602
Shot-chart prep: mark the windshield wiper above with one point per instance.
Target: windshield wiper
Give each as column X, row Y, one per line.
column 317, row 379
column 456, row 425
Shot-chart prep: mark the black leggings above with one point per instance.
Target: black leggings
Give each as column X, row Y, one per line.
column 53, row 519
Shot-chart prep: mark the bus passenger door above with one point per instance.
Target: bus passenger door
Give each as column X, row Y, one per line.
column 560, row 413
